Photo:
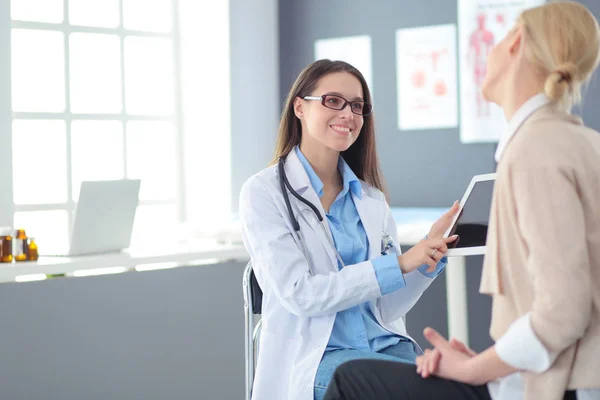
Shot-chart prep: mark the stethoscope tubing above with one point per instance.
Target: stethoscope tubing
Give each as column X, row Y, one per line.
column 285, row 184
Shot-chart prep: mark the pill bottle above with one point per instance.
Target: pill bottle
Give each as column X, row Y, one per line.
column 6, row 245
column 20, row 246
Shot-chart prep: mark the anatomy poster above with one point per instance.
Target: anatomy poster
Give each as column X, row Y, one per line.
column 481, row 25
column 355, row 50
column 426, row 77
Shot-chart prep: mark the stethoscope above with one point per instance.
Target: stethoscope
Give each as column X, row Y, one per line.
column 387, row 242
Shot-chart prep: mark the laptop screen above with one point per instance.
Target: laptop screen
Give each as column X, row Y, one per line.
column 473, row 220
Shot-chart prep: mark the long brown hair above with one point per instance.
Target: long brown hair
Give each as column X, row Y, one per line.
column 362, row 155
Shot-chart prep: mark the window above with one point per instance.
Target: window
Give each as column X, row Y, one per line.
column 94, row 96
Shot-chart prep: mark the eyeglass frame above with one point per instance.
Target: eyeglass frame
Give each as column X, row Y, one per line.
column 346, row 102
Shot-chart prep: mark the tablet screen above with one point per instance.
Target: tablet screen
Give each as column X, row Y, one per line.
column 472, row 223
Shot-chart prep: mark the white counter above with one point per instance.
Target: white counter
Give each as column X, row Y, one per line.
column 413, row 225
column 171, row 256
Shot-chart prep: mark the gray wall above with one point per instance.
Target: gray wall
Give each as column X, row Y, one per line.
column 169, row 334
column 591, row 100
column 255, row 104
column 417, row 165
column 422, row 168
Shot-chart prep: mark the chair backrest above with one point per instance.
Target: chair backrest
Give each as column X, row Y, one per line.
column 256, row 293
column 252, row 306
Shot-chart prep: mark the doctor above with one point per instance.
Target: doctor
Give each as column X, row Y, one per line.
column 321, row 238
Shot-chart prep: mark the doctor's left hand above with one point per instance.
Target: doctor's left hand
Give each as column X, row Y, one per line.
column 441, row 225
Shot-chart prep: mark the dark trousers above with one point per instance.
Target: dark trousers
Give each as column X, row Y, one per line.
column 385, row 380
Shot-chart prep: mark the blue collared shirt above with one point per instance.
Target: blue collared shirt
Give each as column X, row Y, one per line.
column 357, row 327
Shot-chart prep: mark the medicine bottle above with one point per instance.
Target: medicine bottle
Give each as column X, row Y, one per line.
column 21, row 248
column 6, row 245
column 33, row 250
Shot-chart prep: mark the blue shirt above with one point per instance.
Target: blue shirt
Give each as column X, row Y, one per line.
column 357, row 327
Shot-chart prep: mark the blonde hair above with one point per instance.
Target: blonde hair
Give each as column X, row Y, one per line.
column 564, row 46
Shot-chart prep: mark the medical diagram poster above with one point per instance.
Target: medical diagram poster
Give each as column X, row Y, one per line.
column 481, row 25
column 355, row 50
column 426, row 77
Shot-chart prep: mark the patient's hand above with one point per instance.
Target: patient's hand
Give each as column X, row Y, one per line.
column 460, row 346
column 453, row 360
column 447, row 360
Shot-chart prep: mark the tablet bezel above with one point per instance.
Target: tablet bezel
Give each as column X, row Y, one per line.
column 468, row 251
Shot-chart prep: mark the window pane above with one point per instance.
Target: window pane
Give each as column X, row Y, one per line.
column 148, row 76
column 95, row 68
column 144, row 15
column 39, row 162
column 49, row 228
column 37, row 10
column 38, row 71
column 102, row 13
column 153, row 222
column 151, row 158
column 96, row 151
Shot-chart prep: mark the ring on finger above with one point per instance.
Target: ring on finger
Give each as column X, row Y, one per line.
column 433, row 252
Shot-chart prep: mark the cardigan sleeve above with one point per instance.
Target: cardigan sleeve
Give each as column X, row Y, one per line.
column 550, row 218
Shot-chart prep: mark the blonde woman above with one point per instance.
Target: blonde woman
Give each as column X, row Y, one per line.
column 542, row 265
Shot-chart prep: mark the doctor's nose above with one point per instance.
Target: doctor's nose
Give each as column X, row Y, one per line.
column 346, row 112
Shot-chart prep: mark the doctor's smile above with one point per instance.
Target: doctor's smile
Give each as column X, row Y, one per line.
column 342, row 129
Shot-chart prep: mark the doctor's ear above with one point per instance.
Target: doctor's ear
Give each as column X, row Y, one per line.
column 298, row 107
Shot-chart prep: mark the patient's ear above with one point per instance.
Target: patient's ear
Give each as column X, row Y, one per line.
column 515, row 43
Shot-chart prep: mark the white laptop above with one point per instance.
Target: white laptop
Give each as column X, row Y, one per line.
column 103, row 220
column 472, row 220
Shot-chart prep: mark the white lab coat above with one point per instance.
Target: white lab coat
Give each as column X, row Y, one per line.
column 302, row 296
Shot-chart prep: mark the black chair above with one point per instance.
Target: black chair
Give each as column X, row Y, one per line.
column 252, row 307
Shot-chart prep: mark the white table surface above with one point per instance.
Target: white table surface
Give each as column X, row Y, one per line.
column 413, row 224
column 176, row 254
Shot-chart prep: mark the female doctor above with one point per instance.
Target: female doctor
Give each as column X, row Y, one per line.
column 321, row 238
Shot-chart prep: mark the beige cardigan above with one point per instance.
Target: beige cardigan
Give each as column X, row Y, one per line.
column 543, row 247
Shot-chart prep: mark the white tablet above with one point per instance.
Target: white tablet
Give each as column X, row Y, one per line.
column 472, row 220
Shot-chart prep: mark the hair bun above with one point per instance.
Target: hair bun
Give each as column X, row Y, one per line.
column 567, row 71
column 560, row 81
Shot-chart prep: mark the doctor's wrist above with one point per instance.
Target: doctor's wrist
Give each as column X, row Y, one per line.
column 400, row 264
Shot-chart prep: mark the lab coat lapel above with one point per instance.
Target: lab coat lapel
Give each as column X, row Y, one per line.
column 368, row 208
column 299, row 181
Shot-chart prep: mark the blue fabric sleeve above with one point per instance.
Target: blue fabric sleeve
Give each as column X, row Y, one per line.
column 438, row 268
column 388, row 273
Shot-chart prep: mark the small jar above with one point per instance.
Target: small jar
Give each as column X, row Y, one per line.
column 6, row 245
column 21, row 248
column 33, row 250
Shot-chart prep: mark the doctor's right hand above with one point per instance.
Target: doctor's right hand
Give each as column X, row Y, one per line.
column 427, row 251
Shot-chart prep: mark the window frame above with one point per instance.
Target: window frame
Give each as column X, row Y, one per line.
column 7, row 206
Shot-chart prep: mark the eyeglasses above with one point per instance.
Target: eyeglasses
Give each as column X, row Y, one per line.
column 335, row 102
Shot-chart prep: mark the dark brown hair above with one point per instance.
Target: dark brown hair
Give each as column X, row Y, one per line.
column 362, row 155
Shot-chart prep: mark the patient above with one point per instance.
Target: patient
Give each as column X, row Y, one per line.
column 542, row 265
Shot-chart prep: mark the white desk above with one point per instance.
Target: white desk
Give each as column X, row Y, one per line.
column 175, row 255
column 413, row 225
